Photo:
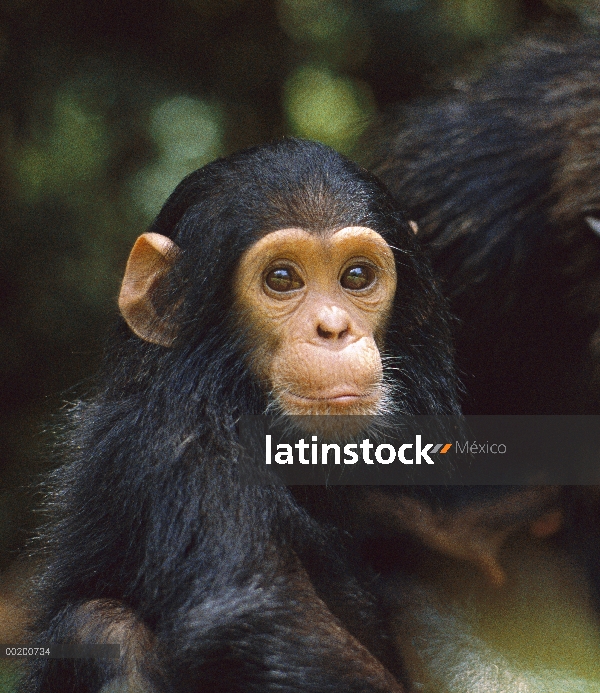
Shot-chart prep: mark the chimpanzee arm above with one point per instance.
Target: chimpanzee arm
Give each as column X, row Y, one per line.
column 271, row 635
column 214, row 599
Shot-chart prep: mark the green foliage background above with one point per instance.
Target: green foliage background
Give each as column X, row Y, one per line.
column 106, row 104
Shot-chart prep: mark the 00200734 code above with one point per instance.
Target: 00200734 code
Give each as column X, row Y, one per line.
column 61, row 651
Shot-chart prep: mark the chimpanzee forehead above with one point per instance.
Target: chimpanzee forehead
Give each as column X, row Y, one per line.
column 350, row 239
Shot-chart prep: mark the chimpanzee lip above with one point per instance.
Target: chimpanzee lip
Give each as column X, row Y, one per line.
column 339, row 397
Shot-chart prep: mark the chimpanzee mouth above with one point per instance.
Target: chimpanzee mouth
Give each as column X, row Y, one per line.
column 340, row 401
column 337, row 398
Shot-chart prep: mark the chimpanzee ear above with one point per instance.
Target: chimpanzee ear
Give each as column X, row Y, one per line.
column 150, row 260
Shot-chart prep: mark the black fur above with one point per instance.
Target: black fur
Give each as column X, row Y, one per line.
column 147, row 512
column 500, row 174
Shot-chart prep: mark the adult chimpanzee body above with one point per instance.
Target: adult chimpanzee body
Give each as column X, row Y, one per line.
column 229, row 302
column 502, row 176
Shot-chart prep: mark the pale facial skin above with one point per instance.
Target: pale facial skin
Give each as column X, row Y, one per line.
column 317, row 305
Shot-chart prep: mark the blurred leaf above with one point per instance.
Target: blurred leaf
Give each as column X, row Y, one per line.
column 9, row 676
column 188, row 133
column 76, row 150
column 331, row 108
column 331, row 28
column 480, row 18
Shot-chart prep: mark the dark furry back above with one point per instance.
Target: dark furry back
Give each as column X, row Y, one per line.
column 499, row 174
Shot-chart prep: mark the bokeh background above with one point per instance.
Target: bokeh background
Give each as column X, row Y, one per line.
column 106, row 104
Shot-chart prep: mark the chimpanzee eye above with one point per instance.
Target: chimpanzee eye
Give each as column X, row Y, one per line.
column 357, row 277
column 283, row 279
